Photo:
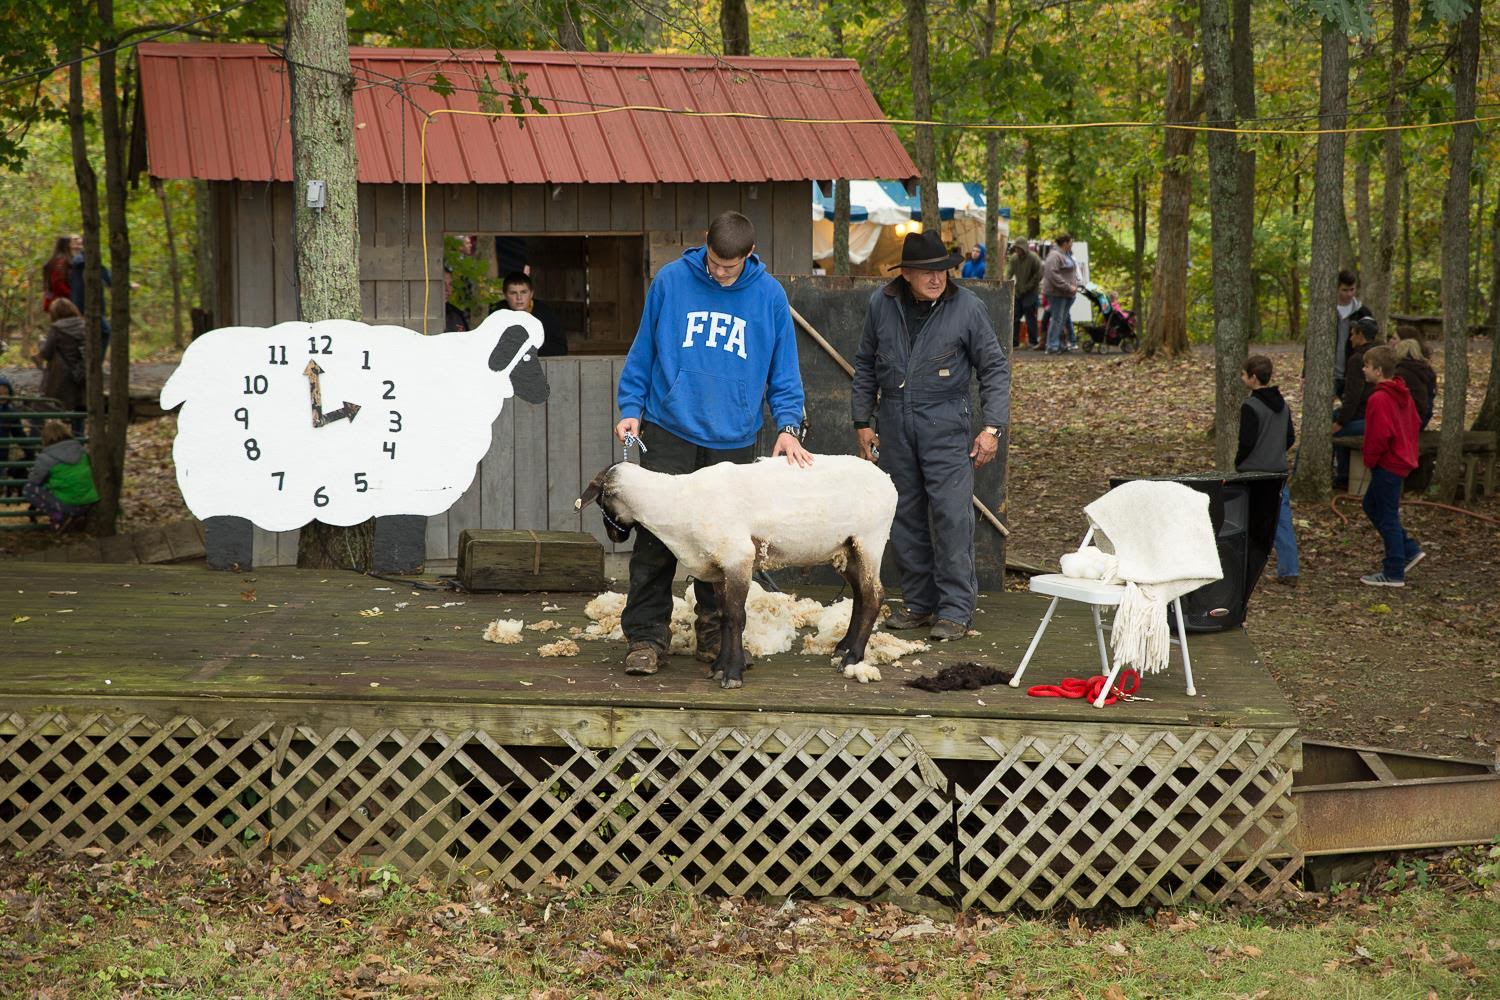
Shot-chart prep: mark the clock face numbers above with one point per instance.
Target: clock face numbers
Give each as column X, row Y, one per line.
column 261, row 394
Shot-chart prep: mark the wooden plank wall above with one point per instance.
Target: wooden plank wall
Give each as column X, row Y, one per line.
column 540, row 456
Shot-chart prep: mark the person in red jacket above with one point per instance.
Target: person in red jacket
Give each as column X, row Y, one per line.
column 1390, row 453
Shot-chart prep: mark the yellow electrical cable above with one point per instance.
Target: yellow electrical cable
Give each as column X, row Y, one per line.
column 428, row 116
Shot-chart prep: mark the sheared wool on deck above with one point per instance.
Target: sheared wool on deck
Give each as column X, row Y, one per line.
column 562, row 647
column 506, row 631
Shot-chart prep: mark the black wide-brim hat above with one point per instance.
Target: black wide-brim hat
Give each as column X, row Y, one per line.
column 925, row 252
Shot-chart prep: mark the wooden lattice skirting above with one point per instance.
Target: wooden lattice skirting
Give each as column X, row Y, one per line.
column 1082, row 820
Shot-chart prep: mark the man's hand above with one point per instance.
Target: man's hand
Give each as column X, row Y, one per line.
column 986, row 446
column 1336, row 428
column 788, row 445
column 630, row 425
column 868, row 442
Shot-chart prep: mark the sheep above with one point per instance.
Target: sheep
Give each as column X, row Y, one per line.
column 341, row 421
column 726, row 521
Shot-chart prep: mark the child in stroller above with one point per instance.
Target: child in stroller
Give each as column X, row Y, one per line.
column 1117, row 328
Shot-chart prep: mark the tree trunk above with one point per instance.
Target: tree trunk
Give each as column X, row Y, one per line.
column 1231, row 251
column 1033, row 190
column 93, row 272
column 569, row 32
column 1138, row 217
column 734, row 25
column 1294, row 273
column 206, row 249
column 921, row 97
column 1364, row 236
column 994, row 251
column 1166, row 331
column 1242, row 78
column 327, row 240
column 1455, row 258
column 109, row 470
column 1406, row 245
column 1488, row 418
column 174, row 270
column 1314, row 478
column 841, row 226
column 1379, row 276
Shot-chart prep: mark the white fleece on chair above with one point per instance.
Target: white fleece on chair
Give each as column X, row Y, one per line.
column 1091, row 563
column 1164, row 540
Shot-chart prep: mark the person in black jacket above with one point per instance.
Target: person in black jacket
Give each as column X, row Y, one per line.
column 1349, row 418
column 1413, row 368
column 925, row 338
column 1266, row 435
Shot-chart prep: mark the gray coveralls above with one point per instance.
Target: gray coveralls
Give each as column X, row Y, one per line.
column 926, row 434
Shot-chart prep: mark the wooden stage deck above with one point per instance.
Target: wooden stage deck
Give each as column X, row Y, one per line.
column 173, row 708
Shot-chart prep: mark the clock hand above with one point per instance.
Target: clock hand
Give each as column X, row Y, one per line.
column 315, row 389
column 347, row 411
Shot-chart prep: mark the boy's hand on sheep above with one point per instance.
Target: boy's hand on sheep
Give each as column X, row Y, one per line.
column 788, row 445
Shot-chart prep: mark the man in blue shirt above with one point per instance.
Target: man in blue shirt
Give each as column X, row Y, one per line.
column 714, row 344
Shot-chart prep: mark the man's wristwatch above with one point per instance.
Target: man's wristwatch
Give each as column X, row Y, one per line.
column 791, row 429
column 994, row 431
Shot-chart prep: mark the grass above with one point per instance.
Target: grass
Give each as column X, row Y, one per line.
column 71, row 928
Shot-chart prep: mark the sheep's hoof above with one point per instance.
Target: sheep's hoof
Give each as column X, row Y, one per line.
column 731, row 682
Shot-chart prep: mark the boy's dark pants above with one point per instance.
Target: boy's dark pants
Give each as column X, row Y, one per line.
column 1382, row 504
column 648, row 606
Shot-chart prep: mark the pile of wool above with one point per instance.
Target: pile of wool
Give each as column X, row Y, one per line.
column 562, row 647
column 771, row 619
column 604, row 613
column 545, row 625
column 506, row 631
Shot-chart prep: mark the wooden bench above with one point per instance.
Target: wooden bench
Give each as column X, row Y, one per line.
column 1479, row 455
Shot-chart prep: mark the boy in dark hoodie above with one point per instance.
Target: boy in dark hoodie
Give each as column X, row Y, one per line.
column 1266, row 435
column 61, row 356
column 715, row 341
column 61, row 484
column 1390, row 453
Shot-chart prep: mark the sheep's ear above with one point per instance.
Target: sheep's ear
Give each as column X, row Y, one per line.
column 590, row 493
column 527, row 378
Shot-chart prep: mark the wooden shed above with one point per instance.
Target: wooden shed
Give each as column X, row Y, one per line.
column 595, row 202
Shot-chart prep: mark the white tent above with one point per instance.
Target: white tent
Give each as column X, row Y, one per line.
column 874, row 205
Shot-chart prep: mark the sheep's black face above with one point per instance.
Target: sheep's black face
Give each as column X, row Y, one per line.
column 527, row 378
column 601, row 489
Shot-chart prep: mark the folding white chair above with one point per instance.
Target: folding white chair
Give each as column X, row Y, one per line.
column 1096, row 594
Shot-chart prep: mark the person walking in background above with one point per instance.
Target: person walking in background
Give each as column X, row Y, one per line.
column 57, row 271
column 1266, row 435
column 79, row 292
column 1060, row 285
column 1390, row 453
column 1025, row 271
column 974, row 263
column 61, row 356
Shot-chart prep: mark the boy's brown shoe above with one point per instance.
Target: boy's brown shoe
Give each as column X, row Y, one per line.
column 643, row 659
column 905, row 618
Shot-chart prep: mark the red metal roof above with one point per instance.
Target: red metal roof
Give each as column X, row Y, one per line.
column 221, row 112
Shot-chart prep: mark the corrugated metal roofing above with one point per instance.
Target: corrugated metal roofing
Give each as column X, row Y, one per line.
column 221, row 112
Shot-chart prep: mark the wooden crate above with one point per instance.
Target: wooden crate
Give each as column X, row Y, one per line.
column 494, row 559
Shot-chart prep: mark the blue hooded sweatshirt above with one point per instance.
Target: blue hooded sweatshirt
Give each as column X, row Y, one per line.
column 974, row 268
column 706, row 356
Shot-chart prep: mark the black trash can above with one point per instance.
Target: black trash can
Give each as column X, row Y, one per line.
column 1244, row 507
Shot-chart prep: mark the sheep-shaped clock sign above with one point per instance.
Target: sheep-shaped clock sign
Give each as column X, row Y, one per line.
column 340, row 421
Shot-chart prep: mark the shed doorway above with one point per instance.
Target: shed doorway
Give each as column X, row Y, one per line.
column 595, row 285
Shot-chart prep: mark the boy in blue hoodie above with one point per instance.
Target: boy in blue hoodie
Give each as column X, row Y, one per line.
column 715, row 342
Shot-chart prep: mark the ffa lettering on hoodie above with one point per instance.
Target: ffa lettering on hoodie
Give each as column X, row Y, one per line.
column 718, row 326
column 706, row 357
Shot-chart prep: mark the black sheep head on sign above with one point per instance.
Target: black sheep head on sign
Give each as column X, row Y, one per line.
column 601, row 489
column 514, row 351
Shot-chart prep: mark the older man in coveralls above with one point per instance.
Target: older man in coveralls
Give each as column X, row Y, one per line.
column 924, row 338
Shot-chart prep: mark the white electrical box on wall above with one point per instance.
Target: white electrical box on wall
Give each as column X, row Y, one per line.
column 317, row 194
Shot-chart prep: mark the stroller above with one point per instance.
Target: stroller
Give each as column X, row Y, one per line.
column 1117, row 328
